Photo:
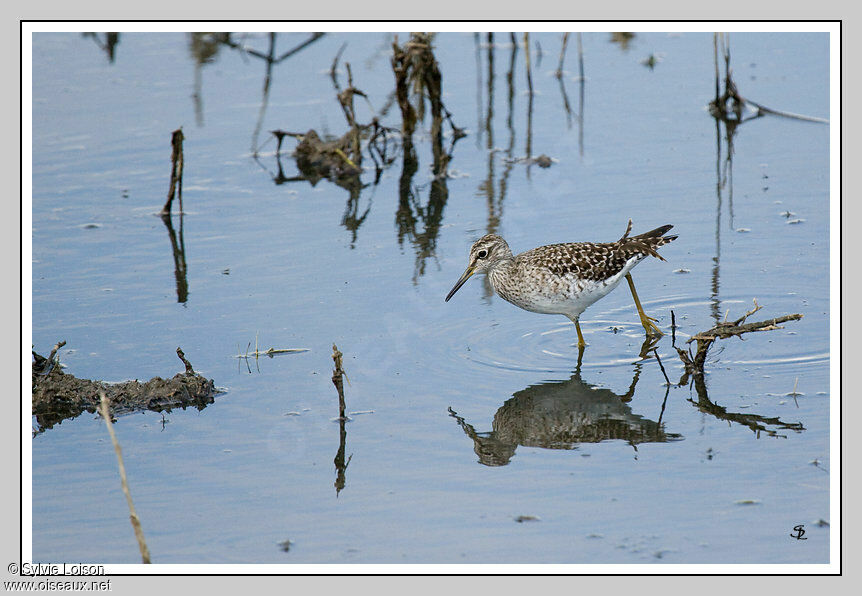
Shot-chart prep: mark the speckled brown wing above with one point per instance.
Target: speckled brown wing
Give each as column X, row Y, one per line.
column 596, row 261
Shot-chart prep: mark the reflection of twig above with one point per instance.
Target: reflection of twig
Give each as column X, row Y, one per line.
column 581, row 95
column 264, row 101
column 730, row 104
column 414, row 64
column 755, row 422
column 672, row 328
column 314, row 37
column 559, row 73
column 529, row 147
column 251, row 52
column 661, row 366
column 133, row 516
column 179, row 254
column 487, row 186
column 111, row 41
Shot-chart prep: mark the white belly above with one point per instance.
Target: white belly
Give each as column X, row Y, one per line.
column 567, row 295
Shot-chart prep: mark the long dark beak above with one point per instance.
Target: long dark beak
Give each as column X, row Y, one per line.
column 470, row 271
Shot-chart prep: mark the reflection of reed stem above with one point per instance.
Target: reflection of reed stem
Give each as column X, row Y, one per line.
column 529, row 148
column 179, row 254
column 580, row 95
column 478, row 45
column 559, row 73
column 264, row 101
column 715, row 60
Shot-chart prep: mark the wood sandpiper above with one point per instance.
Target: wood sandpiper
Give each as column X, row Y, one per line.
column 564, row 279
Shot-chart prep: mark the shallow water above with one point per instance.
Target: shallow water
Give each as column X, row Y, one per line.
column 466, row 414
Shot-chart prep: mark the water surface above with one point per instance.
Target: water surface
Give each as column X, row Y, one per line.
column 476, row 437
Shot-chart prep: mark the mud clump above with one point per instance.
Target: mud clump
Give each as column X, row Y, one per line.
column 58, row 396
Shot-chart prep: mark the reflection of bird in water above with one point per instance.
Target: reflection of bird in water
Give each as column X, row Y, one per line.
column 560, row 415
column 564, row 279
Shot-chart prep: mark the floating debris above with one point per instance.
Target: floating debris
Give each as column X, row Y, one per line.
column 651, row 60
column 269, row 352
column 527, row 518
column 748, row 502
column 543, row 161
column 694, row 362
column 682, row 270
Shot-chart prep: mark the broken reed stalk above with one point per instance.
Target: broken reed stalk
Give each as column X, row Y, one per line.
column 189, row 369
column 133, row 516
column 401, row 65
column 338, row 380
column 56, row 347
column 694, row 363
column 176, row 171
column 45, row 365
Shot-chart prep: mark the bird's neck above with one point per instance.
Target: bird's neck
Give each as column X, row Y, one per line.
column 499, row 272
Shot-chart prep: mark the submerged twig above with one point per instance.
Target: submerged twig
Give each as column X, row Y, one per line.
column 338, row 380
column 268, row 352
column 176, row 186
column 188, row 365
column 46, row 365
column 133, row 515
column 694, row 363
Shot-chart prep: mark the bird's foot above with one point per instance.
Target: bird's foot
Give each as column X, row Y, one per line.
column 649, row 325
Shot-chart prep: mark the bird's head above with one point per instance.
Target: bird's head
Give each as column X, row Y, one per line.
column 486, row 252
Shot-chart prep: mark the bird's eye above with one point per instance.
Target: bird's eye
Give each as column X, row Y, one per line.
column 482, row 254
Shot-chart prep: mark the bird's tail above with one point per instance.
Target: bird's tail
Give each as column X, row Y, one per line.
column 648, row 242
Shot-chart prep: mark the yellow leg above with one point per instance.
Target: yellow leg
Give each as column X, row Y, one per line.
column 581, row 342
column 648, row 322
